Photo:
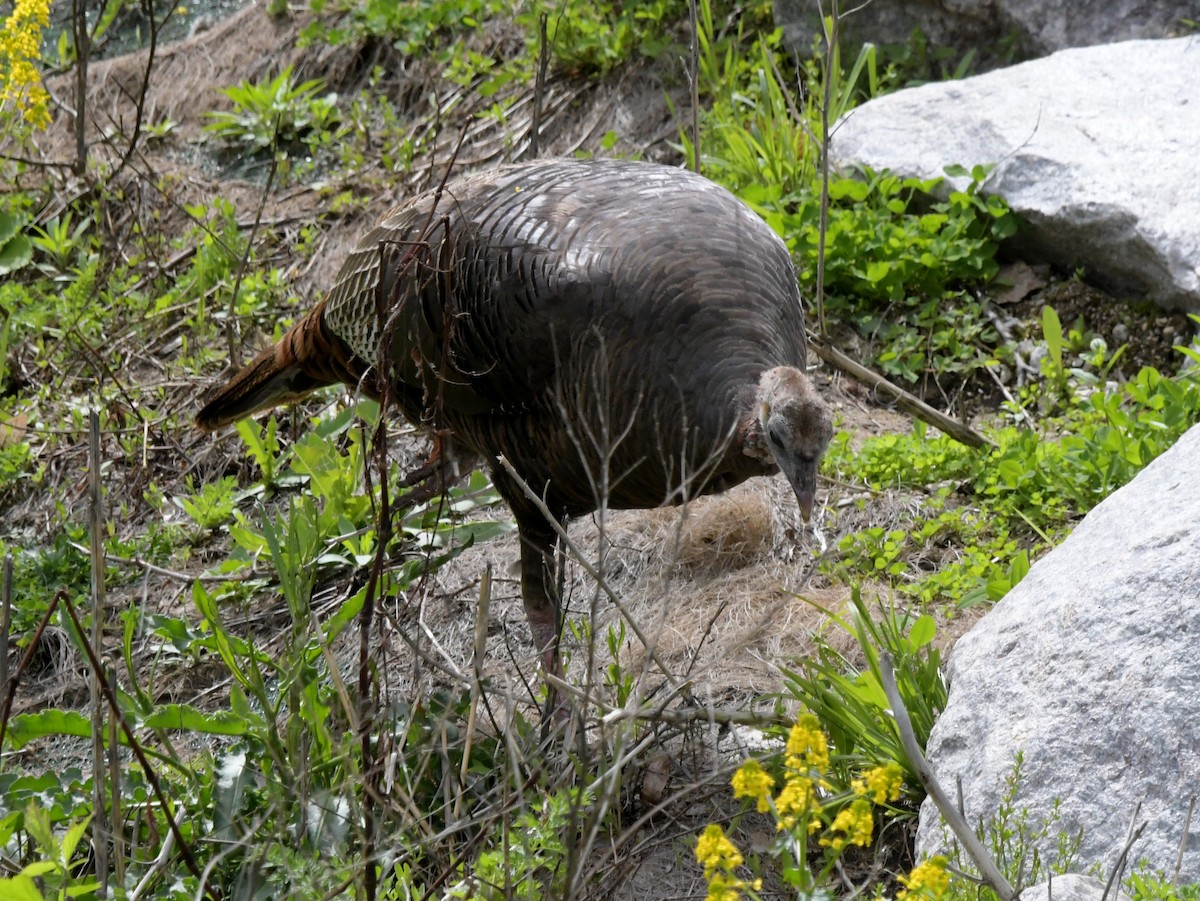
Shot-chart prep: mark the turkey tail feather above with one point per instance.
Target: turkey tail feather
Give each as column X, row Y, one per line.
column 305, row 359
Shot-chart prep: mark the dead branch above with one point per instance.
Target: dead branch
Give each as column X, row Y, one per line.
column 909, row 403
column 955, row 820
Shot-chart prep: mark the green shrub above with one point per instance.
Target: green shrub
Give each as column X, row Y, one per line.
column 277, row 113
column 849, row 699
column 995, row 509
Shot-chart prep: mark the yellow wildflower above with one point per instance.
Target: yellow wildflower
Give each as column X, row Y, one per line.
column 883, row 783
column 796, row 800
column 726, row 888
column 806, row 745
column 715, row 851
column 752, row 781
column 928, row 880
column 852, row 826
column 719, row 889
column 20, row 48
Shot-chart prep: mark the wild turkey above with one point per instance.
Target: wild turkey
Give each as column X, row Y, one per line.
column 621, row 333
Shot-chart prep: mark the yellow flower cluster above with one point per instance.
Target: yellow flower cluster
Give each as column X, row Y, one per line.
column 797, row 799
column 806, row 758
column 715, row 851
column 928, row 880
column 881, row 784
column 752, row 781
column 20, row 48
column 854, row 825
column 808, row 807
column 813, row 813
column 720, row 857
column 807, row 748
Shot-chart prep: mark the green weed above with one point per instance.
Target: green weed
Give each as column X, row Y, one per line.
column 62, row 243
column 212, row 505
column 16, row 250
column 277, row 113
column 896, row 266
column 61, row 856
column 1146, row 884
column 1017, row 844
column 593, row 38
column 995, row 510
column 850, row 702
column 523, row 859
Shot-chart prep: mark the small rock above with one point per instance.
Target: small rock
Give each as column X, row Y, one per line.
column 1021, row 280
column 1120, row 334
column 656, row 778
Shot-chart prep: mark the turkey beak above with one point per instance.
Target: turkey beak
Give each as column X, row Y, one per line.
column 802, row 474
column 806, row 505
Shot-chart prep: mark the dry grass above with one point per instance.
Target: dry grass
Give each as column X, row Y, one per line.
column 722, row 589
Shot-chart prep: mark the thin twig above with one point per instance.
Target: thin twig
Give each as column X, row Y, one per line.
column 114, row 789
column 10, row 690
column 1187, row 824
column 97, row 675
column 687, row 715
column 5, row 617
column 694, row 77
column 159, row 865
column 235, row 352
column 957, row 823
column 539, row 88
column 1131, row 837
column 907, row 402
column 147, row 770
column 170, row 573
column 140, row 101
column 477, row 658
column 831, row 44
column 83, row 45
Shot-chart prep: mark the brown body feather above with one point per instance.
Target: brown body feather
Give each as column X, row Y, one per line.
column 622, row 333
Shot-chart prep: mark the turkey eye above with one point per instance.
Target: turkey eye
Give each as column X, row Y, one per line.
column 777, row 435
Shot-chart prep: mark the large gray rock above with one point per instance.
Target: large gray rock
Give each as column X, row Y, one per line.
column 1091, row 668
column 1071, row 887
column 995, row 29
column 1095, row 148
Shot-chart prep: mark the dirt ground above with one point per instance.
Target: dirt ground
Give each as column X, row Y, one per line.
column 725, row 592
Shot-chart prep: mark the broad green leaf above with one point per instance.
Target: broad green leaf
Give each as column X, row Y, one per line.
column 37, row 824
column 27, row 727
column 1019, row 568
column 922, row 631
column 1052, row 332
column 40, row 868
column 15, row 253
column 9, row 226
column 20, row 888
column 345, row 615
column 192, row 719
column 74, row 833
